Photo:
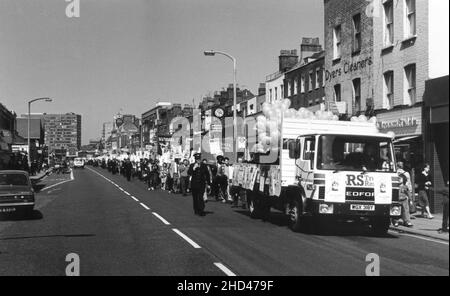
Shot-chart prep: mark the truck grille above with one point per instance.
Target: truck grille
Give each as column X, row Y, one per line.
column 322, row 192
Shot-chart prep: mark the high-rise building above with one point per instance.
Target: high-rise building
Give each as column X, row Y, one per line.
column 62, row 131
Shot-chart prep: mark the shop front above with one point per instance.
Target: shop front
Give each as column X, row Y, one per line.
column 407, row 125
column 436, row 113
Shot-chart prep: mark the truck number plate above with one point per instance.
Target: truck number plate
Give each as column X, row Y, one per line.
column 362, row 208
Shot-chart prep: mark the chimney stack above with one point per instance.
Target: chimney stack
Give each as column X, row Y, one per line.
column 287, row 59
column 308, row 47
column 262, row 89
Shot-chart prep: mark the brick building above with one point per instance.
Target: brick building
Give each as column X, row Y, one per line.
column 348, row 56
column 304, row 84
column 379, row 55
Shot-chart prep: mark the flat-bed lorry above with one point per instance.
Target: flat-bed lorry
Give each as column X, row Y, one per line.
column 324, row 170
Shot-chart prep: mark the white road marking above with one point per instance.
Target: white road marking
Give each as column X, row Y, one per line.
column 127, row 193
column 224, row 269
column 135, row 199
column 161, row 218
column 145, row 207
column 423, row 238
column 57, row 184
column 186, row 238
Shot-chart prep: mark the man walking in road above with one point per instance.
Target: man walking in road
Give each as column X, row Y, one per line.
column 200, row 178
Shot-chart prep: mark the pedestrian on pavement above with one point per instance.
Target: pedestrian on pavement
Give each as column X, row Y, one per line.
column 184, row 177
column 404, row 195
column 423, row 186
column 444, row 192
column 200, row 179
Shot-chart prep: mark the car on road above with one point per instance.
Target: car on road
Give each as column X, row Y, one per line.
column 78, row 163
column 16, row 192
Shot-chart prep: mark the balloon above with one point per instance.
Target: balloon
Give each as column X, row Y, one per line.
column 362, row 118
column 373, row 120
column 353, row 119
column 335, row 117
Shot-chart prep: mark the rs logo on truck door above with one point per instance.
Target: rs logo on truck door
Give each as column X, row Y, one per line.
column 359, row 180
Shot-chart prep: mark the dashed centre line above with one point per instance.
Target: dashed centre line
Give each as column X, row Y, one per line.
column 225, row 269
column 161, row 218
column 186, row 238
column 219, row 265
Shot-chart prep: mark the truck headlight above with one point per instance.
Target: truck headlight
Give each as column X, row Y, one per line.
column 326, row 209
column 396, row 210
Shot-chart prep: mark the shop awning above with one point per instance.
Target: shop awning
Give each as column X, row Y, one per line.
column 403, row 139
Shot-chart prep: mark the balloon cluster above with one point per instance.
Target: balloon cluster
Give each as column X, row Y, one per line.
column 268, row 125
column 362, row 118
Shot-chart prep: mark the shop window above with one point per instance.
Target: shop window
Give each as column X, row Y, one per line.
column 389, row 89
column 317, row 78
column 337, row 42
column 337, row 93
column 357, row 94
column 302, row 84
column 295, row 85
column 388, row 23
column 357, row 32
column 410, row 83
column 410, row 18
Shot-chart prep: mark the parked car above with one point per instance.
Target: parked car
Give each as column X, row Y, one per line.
column 16, row 192
column 78, row 163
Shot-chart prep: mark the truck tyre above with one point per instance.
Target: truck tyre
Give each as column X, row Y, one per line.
column 380, row 226
column 296, row 221
column 253, row 208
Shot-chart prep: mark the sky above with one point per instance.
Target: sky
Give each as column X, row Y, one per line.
column 126, row 55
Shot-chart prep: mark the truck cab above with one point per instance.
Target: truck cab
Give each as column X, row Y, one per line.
column 346, row 175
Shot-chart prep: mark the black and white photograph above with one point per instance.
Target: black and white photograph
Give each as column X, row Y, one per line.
column 224, row 147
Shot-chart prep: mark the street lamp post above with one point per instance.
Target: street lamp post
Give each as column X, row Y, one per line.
column 235, row 134
column 28, row 127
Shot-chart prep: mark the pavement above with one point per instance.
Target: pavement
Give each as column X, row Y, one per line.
column 119, row 228
column 425, row 227
column 39, row 176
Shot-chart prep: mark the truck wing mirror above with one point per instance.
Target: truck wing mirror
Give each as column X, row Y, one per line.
column 294, row 149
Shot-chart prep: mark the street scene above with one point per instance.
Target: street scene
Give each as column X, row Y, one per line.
column 212, row 139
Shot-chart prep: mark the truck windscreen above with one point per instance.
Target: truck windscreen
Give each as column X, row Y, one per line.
column 355, row 153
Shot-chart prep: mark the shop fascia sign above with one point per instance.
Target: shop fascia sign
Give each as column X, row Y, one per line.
column 348, row 67
column 398, row 123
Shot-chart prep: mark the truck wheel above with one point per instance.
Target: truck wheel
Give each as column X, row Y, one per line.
column 296, row 221
column 253, row 208
column 380, row 226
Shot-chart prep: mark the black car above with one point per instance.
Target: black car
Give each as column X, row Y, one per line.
column 16, row 192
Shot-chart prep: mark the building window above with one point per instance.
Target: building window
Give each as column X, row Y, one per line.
column 270, row 96
column 337, row 42
column 389, row 89
column 317, row 78
column 357, row 32
column 357, row 94
column 282, row 91
column 310, row 82
column 276, row 93
column 388, row 23
column 410, row 83
column 337, row 93
column 289, row 88
column 302, row 84
column 295, row 85
column 410, row 27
